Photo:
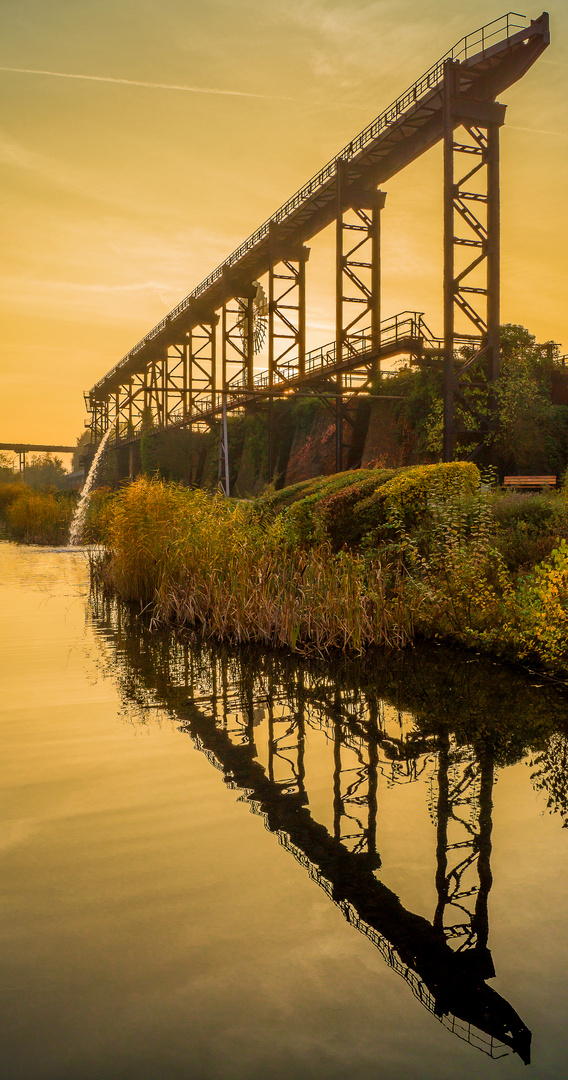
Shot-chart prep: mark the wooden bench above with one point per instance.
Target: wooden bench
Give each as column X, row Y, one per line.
column 529, row 481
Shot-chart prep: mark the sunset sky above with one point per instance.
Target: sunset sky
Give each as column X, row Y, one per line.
column 122, row 190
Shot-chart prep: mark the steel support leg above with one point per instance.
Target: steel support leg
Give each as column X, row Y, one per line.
column 449, row 427
column 286, row 319
column 475, row 282
column 357, row 282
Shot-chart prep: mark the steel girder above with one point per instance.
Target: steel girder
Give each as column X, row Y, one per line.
column 357, row 283
column 471, row 261
column 345, row 191
column 489, row 61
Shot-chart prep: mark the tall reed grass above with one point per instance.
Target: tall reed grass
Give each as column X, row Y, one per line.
column 430, row 560
column 37, row 517
column 201, row 561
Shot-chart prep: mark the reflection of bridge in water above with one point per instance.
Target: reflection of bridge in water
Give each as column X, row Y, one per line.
column 256, row 728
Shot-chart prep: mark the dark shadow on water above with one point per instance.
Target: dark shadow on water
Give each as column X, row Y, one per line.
column 425, row 713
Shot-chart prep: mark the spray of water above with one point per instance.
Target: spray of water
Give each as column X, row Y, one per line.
column 78, row 523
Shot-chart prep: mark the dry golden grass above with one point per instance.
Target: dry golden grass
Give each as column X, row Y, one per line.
column 200, row 561
column 39, row 517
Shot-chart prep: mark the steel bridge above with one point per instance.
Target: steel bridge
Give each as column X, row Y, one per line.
column 21, row 449
column 198, row 362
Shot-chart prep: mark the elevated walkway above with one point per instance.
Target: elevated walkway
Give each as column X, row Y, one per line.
column 488, row 61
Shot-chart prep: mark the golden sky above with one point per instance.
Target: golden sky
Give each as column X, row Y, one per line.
column 121, row 191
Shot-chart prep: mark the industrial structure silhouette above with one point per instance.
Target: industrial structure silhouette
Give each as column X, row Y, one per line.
column 197, row 363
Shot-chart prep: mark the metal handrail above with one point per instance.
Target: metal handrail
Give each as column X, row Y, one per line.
column 400, row 327
column 471, row 45
column 404, row 325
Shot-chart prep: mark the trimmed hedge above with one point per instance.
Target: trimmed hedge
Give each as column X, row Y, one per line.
column 360, row 507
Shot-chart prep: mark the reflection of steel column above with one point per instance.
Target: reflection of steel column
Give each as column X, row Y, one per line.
column 248, row 696
column 339, row 335
column 443, row 810
column 271, row 740
column 480, row 922
column 337, row 800
column 373, row 780
column 301, row 724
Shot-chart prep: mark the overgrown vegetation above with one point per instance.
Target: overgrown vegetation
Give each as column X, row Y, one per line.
column 532, row 428
column 361, row 558
column 35, row 517
column 43, row 471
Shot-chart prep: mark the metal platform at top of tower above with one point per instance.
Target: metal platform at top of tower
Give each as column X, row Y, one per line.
column 171, row 375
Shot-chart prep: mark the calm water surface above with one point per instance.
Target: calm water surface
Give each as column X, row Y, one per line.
column 233, row 865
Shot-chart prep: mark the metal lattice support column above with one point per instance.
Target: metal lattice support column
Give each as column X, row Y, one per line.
column 136, row 404
column 355, row 783
column 98, row 411
column 357, row 280
column 286, row 318
column 128, row 404
column 154, row 397
column 175, row 377
column 463, row 850
column 286, row 308
column 238, row 336
column 201, row 377
column 472, row 282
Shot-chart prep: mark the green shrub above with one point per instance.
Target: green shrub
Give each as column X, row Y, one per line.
column 401, row 499
column 307, row 519
column 529, row 526
column 9, row 493
column 202, row 561
column 40, row 517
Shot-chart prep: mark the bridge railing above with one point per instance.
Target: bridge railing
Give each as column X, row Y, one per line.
column 474, row 44
column 403, row 327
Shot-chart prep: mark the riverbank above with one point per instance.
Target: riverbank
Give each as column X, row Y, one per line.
column 372, row 557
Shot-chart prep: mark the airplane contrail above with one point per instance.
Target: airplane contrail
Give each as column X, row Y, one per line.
column 538, row 131
column 148, row 85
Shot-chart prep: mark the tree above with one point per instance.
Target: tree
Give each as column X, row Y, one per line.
column 531, row 433
column 6, row 469
column 45, row 470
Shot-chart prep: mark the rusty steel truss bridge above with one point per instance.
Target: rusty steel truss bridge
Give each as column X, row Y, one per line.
column 198, row 362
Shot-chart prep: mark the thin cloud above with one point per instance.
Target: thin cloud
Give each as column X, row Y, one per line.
column 538, row 131
column 147, row 85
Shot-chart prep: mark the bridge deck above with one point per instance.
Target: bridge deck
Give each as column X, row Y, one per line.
column 490, row 60
column 29, row 448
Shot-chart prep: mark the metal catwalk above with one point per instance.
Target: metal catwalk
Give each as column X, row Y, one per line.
column 198, row 362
